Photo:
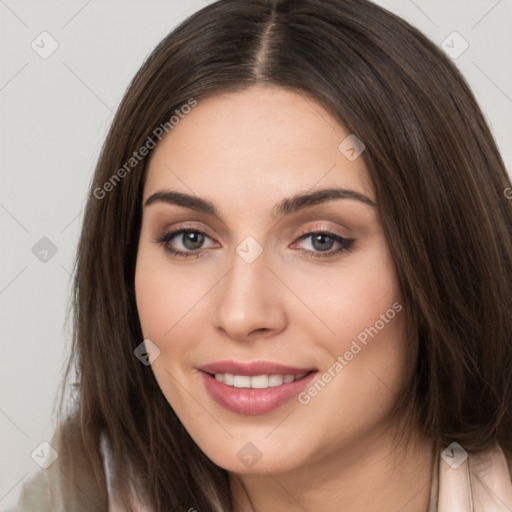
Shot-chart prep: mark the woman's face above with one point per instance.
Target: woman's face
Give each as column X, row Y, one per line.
column 259, row 297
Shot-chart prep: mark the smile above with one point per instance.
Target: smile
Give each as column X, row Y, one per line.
column 253, row 388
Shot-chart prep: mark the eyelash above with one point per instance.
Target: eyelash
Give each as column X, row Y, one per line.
column 347, row 244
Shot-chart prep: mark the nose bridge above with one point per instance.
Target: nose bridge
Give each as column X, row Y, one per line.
column 247, row 274
column 246, row 300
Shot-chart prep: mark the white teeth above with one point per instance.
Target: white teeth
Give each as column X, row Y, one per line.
column 275, row 380
column 259, row 381
column 242, row 381
column 256, row 381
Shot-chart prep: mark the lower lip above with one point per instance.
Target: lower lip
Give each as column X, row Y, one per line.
column 251, row 401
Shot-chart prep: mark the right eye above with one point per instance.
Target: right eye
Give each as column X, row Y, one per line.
column 189, row 242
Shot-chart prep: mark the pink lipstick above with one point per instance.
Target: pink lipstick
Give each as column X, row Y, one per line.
column 254, row 388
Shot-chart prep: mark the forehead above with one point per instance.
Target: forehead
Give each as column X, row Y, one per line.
column 257, row 145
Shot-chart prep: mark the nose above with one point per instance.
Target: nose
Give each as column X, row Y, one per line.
column 249, row 301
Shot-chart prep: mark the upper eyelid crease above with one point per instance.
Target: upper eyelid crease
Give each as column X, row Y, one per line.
column 285, row 207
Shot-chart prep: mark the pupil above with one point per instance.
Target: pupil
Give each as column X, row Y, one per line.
column 321, row 238
column 193, row 240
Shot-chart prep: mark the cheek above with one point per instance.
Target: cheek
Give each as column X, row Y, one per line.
column 350, row 301
column 173, row 314
column 361, row 325
column 153, row 295
column 164, row 294
column 162, row 304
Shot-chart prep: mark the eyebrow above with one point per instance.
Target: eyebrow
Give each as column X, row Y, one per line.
column 287, row 206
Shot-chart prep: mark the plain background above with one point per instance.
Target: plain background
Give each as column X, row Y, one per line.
column 55, row 113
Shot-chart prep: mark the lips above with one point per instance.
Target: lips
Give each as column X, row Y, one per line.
column 256, row 387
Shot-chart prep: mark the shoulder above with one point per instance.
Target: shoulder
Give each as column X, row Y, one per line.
column 36, row 495
column 66, row 482
column 479, row 481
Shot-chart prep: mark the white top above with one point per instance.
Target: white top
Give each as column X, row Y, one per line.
column 482, row 483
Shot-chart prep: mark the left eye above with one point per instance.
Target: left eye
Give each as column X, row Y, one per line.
column 192, row 241
column 323, row 241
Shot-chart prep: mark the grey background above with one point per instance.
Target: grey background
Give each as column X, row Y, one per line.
column 55, row 113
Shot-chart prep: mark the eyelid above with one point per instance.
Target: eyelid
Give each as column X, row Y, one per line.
column 319, row 226
column 324, row 226
column 190, row 226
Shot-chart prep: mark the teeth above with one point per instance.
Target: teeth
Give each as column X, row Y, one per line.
column 275, row 380
column 242, row 381
column 257, row 381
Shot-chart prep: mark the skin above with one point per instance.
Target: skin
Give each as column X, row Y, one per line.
column 245, row 152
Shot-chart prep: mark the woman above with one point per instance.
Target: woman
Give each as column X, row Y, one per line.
column 292, row 285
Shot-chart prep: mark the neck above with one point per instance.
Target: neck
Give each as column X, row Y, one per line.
column 372, row 475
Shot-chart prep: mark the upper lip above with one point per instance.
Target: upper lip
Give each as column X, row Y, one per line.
column 253, row 368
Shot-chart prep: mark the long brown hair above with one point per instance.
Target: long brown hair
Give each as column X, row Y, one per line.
column 439, row 183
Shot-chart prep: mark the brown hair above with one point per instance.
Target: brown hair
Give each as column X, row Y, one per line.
column 439, row 183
